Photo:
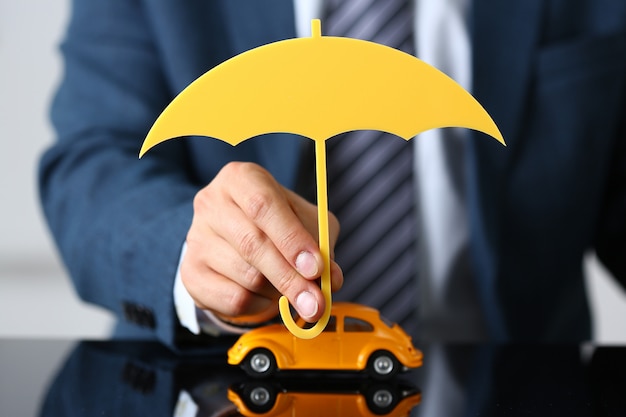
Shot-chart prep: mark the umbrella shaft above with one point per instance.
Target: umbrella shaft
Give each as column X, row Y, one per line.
column 322, row 215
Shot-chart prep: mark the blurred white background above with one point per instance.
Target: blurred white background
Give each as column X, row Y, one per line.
column 36, row 298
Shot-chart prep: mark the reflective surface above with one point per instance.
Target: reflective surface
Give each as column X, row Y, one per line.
column 48, row 378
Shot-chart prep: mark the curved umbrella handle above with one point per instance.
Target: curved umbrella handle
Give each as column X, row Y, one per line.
column 285, row 313
column 324, row 240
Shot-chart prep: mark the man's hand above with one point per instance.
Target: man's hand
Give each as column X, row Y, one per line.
column 252, row 240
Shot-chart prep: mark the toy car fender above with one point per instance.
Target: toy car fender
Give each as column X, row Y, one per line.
column 240, row 352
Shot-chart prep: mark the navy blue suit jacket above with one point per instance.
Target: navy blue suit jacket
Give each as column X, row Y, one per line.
column 551, row 73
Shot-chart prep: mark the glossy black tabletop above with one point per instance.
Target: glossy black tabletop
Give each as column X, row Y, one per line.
column 63, row 378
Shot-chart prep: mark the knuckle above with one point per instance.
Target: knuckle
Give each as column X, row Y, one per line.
column 201, row 199
column 255, row 281
column 250, row 244
column 286, row 282
column 194, row 235
column 237, row 169
column 290, row 239
column 258, row 205
column 188, row 273
column 198, row 201
column 232, row 168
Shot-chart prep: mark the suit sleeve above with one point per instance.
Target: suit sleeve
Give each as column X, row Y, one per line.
column 119, row 222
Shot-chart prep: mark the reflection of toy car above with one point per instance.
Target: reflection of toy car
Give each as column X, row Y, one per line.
column 313, row 397
column 356, row 338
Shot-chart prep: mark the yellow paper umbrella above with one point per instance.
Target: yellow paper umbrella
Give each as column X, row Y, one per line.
column 319, row 87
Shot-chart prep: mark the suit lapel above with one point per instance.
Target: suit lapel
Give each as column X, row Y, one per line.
column 505, row 34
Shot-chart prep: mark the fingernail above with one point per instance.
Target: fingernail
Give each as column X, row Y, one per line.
column 306, row 264
column 306, row 304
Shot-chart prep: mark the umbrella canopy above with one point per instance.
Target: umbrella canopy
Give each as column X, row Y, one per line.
column 319, row 87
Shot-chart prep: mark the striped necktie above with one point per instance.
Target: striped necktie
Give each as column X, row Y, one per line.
column 370, row 176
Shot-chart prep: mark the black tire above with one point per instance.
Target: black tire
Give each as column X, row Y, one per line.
column 383, row 365
column 259, row 397
column 260, row 363
column 381, row 399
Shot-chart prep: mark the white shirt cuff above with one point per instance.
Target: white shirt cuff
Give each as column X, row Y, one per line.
column 184, row 304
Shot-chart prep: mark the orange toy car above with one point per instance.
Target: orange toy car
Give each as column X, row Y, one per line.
column 355, row 339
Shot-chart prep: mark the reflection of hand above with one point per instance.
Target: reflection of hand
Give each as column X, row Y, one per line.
column 252, row 240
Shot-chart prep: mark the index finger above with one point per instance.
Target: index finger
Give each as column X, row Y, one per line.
column 270, row 236
column 270, row 208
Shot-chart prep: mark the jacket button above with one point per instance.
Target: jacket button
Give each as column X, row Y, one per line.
column 138, row 314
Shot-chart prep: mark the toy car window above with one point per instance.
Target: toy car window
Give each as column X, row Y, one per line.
column 330, row 327
column 332, row 324
column 352, row 324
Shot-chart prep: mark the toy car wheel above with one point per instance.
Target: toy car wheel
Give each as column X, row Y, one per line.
column 383, row 365
column 259, row 397
column 260, row 363
column 381, row 399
